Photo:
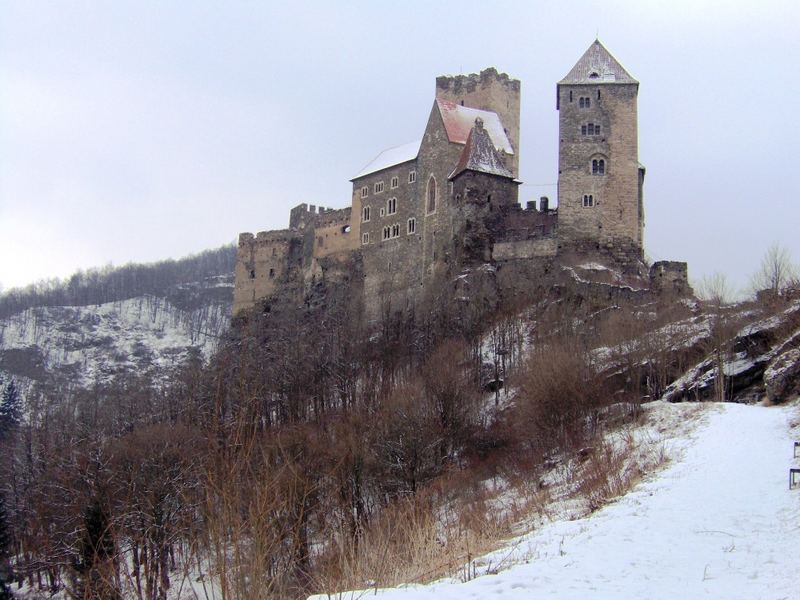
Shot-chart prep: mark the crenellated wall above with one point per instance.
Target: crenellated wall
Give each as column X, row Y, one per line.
column 420, row 213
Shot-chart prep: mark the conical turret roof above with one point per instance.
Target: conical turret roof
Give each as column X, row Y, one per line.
column 480, row 155
column 597, row 66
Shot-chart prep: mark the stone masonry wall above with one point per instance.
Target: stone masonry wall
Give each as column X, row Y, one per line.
column 616, row 211
column 437, row 158
column 390, row 264
column 261, row 264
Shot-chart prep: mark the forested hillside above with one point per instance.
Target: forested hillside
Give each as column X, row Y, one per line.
column 102, row 323
column 111, row 284
column 316, row 452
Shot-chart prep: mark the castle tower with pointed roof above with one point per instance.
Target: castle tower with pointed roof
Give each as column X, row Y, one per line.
column 599, row 176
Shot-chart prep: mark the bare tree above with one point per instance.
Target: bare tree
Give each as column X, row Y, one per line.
column 716, row 292
column 776, row 271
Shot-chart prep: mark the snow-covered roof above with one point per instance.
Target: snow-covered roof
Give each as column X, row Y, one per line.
column 597, row 66
column 480, row 154
column 458, row 121
column 391, row 157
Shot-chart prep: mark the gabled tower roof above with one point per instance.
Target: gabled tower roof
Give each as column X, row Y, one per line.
column 597, row 66
column 480, row 154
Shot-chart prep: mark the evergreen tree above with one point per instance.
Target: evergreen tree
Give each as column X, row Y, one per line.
column 6, row 575
column 95, row 565
column 10, row 408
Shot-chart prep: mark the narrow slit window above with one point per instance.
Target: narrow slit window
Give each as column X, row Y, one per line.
column 431, row 194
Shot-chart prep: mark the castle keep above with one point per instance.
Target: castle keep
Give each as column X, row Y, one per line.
column 449, row 200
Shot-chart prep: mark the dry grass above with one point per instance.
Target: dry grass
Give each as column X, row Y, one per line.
column 414, row 541
column 615, row 464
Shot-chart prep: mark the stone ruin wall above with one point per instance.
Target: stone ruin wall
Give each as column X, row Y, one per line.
column 262, row 261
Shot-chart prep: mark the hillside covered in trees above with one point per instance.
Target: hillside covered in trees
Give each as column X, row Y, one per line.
column 100, row 324
column 313, row 452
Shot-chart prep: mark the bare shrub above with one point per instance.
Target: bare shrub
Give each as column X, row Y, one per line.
column 559, row 392
column 415, row 540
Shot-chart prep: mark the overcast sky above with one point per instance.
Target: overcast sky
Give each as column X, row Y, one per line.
column 138, row 131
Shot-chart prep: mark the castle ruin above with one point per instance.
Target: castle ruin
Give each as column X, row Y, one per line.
column 449, row 200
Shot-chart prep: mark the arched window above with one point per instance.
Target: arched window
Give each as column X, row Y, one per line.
column 431, row 194
column 598, row 166
column 588, row 200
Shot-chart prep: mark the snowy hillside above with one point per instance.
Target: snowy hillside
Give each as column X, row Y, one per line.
column 719, row 522
column 81, row 345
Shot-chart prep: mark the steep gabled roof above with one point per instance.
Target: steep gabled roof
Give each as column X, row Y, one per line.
column 458, row 121
column 390, row 158
column 480, row 154
column 597, row 66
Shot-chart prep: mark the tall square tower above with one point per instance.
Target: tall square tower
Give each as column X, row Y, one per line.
column 599, row 176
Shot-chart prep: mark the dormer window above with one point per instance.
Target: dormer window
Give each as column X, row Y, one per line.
column 594, row 75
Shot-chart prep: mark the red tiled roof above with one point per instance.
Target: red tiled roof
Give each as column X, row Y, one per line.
column 458, row 121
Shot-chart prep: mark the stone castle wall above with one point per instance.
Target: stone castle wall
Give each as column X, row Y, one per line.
column 615, row 211
column 262, row 261
column 409, row 224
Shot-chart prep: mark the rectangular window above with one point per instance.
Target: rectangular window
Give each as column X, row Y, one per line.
column 394, row 183
column 364, row 191
column 597, row 129
column 391, row 206
column 383, row 211
column 378, row 187
column 365, row 215
column 412, row 226
column 412, row 176
column 583, row 129
column 272, row 273
column 365, row 238
column 591, row 128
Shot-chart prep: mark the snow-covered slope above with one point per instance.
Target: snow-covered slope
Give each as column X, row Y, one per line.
column 82, row 345
column 720, row 522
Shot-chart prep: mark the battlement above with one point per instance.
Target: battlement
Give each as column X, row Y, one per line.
column 330, row 217
column 302, row 214
column 458, row 84
column 263, row 237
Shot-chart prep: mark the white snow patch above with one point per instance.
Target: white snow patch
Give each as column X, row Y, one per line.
column 719, row 523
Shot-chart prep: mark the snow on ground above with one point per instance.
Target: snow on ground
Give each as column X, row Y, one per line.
column 94, row 342
column 720, row 522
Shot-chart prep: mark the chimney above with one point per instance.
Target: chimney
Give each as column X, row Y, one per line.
column 530, row 205
column 544, row 204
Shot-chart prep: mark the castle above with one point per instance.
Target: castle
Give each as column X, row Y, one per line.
column 450, row 200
